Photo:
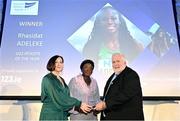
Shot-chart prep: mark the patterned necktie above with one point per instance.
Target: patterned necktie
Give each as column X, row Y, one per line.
column 109, row 86
column 111, row 82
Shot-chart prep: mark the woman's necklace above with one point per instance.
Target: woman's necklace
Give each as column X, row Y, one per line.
column 113, row 45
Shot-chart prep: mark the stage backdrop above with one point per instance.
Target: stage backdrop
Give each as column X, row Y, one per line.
column 35, row 30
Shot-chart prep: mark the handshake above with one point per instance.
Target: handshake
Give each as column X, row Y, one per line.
column 98, row 107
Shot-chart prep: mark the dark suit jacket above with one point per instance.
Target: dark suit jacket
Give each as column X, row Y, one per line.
column 124, row 97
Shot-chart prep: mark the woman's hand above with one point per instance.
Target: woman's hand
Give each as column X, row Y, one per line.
column 85, row 108
column 100, row 106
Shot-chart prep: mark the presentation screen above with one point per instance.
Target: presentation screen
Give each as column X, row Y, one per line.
column 35, row 30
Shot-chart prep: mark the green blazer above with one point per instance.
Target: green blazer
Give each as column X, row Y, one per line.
column 56, row 99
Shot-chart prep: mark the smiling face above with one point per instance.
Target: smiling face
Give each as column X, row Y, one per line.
column 87, row 69
column 118, row 63
column 59, row 65
column 109, row 20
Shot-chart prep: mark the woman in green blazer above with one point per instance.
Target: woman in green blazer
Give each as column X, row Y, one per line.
column 55, row 94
